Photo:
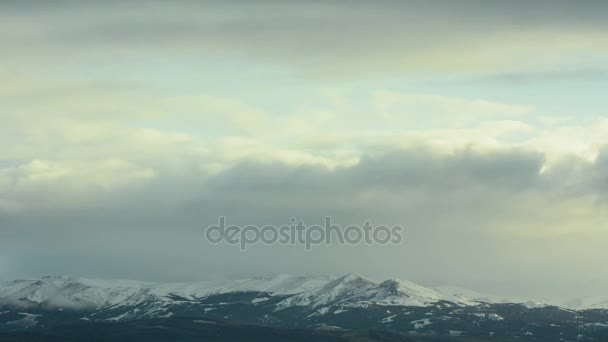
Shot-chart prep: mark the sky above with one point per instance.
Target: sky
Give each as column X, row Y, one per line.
column 127, row 127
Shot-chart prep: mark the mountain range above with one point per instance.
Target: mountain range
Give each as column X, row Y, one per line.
column 348, row 303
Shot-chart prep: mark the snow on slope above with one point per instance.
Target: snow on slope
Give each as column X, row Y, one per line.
column 335, row 291
column 353, row 291
column 585, row 303
column 68, row 292
column 459, row 293
column 73, row 292
column 317, row 293
column 282, row 284
column 405, row 293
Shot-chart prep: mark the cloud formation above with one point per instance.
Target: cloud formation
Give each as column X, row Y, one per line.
column 488, row 210
column 321, row 37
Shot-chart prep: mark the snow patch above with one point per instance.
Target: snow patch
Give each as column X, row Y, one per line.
column 388, row 319
column 421, row 323
column 28, row 321
column 259, row 300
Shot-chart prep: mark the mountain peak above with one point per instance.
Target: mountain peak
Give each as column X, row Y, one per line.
column 349, row 283
column 335, row 291
column 353, row 277
column 399, row 284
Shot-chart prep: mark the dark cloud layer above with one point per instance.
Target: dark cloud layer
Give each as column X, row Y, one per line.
column 324, row 36
column 486, row 210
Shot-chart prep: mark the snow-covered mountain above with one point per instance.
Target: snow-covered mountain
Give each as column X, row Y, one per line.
column 67, row 292
column 354, row 290
column 318, row 294
column 467, row 295
column 351, row 302
column 70, row 292
column 406, row 293
column 585, row 303
column 334, row 292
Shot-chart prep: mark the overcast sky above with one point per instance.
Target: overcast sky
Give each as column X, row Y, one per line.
column 481, row 127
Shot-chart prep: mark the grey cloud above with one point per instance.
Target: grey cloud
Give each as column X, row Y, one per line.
column 321, row 36
column 421, row 166
column 479, row 207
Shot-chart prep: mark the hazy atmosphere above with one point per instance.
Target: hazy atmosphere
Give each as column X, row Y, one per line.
column 128, row 127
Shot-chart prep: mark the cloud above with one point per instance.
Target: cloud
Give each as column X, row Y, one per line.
column 444, row 110
column 462, row 203
column 321, row 39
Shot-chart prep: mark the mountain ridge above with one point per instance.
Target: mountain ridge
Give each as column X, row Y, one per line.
column 350, row 302
column 304, row 291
